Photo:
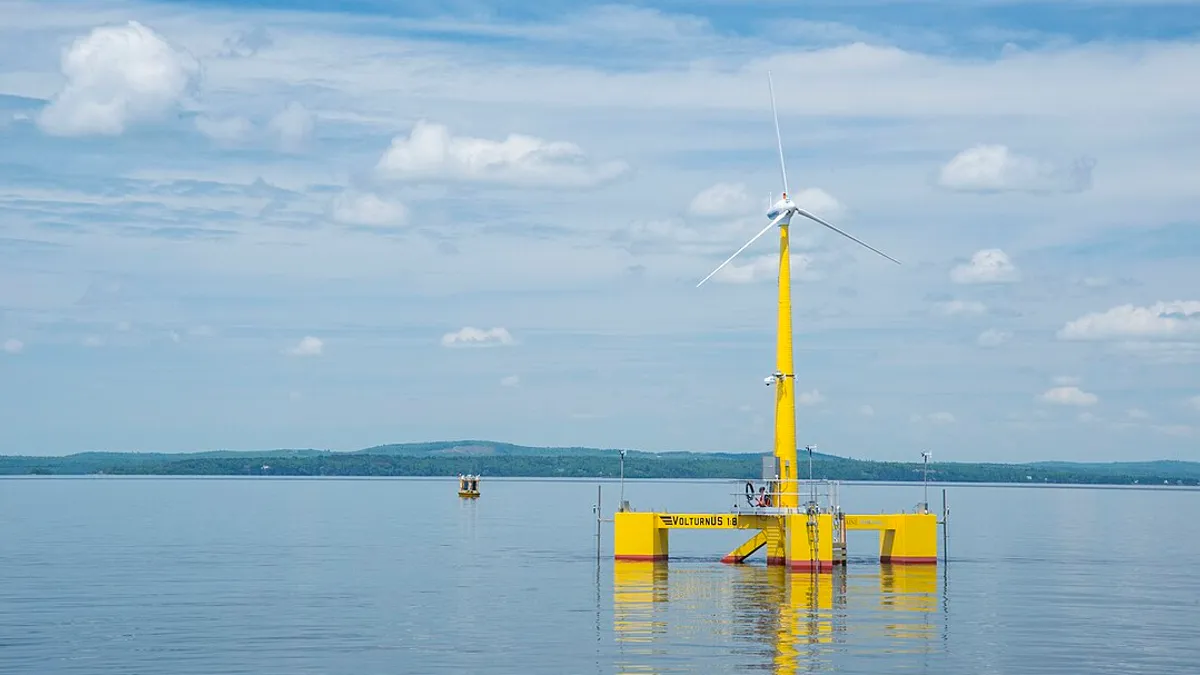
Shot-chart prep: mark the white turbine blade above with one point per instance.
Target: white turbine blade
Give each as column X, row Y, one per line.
column 810, row 216
column 778, row 137
column 753, row 239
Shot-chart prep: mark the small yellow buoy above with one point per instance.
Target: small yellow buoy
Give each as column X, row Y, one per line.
column 468, row 486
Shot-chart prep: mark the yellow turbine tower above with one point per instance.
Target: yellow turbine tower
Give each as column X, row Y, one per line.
column 784, row 378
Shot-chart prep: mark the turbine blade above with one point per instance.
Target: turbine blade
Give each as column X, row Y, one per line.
column 778, row 137
column 753, row 239
column 810, row 216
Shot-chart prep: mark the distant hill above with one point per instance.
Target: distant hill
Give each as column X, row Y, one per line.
column 1177, row 468
column 476, row 448
column 491, row 458
column 97, row 462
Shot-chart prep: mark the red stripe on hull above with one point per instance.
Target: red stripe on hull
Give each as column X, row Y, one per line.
column 776, row 561
column 640, row 558
column 894, row 560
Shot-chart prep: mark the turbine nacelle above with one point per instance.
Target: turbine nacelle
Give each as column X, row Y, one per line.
column 782, row 206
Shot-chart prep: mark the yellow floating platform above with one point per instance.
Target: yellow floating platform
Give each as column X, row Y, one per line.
column 802, row 541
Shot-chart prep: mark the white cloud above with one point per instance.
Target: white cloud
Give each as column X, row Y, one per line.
column 866, row 411
column 993, row 337
column 988, row 266
column 93, row 341
column 721, row 200
column 1137, row 414
column 13, row 346
column 511, row 381
column 224, row 130
column 430, row 151
column 293, row 126
column 308, row 346
column 290, row 128
column 813, row 397
column 995, row 168
column 961, row 308
column 1160, row 320
column 368, row 209
column 1122, row 78
column 1111, row 79
column 1064, row 380
column 470, row 336
column 1194, row 402
column 117, row 76
column 1069, row 396
column 818, row 202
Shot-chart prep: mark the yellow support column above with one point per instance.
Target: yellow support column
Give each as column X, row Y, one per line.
column 639, row 536
column 809, row 542
column 910, row 539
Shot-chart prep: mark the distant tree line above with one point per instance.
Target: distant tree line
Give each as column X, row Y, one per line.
column 746, row 467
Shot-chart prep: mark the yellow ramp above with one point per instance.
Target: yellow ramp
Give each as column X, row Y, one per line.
column 747, row 549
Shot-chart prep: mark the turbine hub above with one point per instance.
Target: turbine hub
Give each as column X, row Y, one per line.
column 782, row 206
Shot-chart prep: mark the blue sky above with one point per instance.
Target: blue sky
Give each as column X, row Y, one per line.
column 278, row 224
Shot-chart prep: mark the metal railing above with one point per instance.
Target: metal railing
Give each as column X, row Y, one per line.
column 812, row 496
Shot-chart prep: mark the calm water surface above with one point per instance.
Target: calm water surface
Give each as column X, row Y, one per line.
column 264, row 576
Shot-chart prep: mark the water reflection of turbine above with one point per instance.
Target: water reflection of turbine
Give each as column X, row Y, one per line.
column 770, row 612
column 796, row 623
column 810, row 621
column 797, row 618
column 758, row 593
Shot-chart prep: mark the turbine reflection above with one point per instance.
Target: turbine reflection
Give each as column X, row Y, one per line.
column 770, row 618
